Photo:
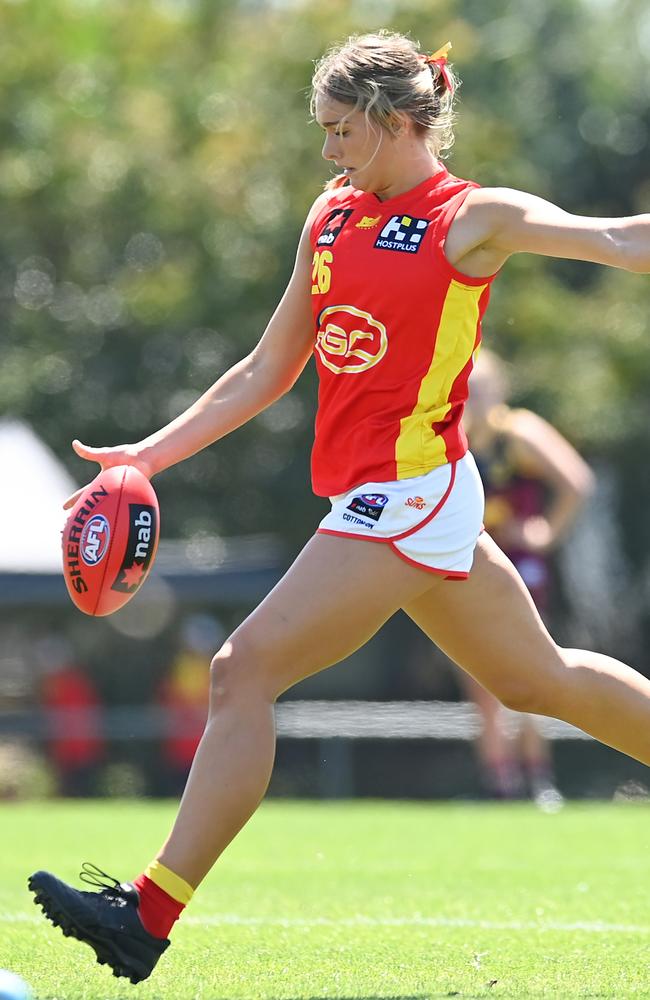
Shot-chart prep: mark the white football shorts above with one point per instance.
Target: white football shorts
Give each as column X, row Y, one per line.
column 431, row 521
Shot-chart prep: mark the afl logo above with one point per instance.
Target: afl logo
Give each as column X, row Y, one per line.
column 350, row 340
column 94, row 540
column 375, row 499
column 369, row 505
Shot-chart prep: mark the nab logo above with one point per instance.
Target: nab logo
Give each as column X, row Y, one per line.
column 333, row 225
column 349, row 339
column 139, row 549
column 402, row 232
column 369, row 505
column 94, row 540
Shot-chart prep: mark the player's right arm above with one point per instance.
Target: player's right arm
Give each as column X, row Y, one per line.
column 239, row 394
column 541, row 452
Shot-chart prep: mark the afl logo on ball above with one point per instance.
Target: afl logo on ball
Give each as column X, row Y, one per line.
column 349, row 339
column 94, row 540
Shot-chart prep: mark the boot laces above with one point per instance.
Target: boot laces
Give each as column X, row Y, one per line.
column 111, row 887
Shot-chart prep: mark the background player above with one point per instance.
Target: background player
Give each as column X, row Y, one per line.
column 535, row 485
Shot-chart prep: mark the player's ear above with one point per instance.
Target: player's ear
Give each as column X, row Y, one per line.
column 399, row 124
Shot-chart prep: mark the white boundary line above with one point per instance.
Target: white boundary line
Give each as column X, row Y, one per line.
column 590, row 927
column 233, row 920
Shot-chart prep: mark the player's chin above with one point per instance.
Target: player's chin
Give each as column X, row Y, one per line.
column 358, row 180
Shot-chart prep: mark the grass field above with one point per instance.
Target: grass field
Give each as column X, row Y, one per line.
column 361, row 900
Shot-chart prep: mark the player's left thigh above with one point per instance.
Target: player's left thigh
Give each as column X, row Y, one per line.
column 490, row 627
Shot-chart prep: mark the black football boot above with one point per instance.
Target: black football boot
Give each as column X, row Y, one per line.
column 108, row 920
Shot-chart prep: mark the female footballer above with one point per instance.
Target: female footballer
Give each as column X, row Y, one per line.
column 391, row 280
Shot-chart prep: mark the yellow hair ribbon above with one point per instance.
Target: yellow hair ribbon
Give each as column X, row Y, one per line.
column 439, row 60
column 441, row 53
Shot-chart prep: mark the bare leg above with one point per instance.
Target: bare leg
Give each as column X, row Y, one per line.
column 331, row 601
column 497, row 751
column 534, row 748
column 510, row 757
column 490, row 627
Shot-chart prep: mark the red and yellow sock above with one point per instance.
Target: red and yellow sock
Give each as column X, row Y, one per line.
column 163, row 897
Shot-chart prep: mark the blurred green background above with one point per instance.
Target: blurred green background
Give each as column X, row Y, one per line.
column 157, row 161
column 156, row 164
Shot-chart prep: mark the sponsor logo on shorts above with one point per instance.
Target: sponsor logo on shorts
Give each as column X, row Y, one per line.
column 368, row 222
column 418, row 502
column 357, row 520
column 349, row 339
column 95, row 536
column 368, row 505
column 402, row 232
column 139, row 548
column 333, row 225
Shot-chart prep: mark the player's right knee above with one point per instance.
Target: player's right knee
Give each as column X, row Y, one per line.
column 533, row 694
column 520, row 695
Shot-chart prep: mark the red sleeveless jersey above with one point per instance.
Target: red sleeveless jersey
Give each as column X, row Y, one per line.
column 396, row 330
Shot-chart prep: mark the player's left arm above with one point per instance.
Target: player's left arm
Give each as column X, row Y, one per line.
column 498, row 222
column 542, row 452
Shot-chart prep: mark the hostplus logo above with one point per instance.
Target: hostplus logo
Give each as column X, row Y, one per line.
column 402, row 232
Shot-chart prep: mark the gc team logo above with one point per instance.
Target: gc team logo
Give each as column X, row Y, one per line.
column 94, row 540
column 350, row 340
column 402, row 232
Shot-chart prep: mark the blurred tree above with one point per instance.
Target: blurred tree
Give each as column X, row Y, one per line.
column 156, row 164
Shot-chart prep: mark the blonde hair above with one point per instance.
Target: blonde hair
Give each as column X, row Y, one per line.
column 385, row 75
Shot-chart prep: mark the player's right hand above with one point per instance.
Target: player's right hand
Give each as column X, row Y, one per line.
column 122, row 454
